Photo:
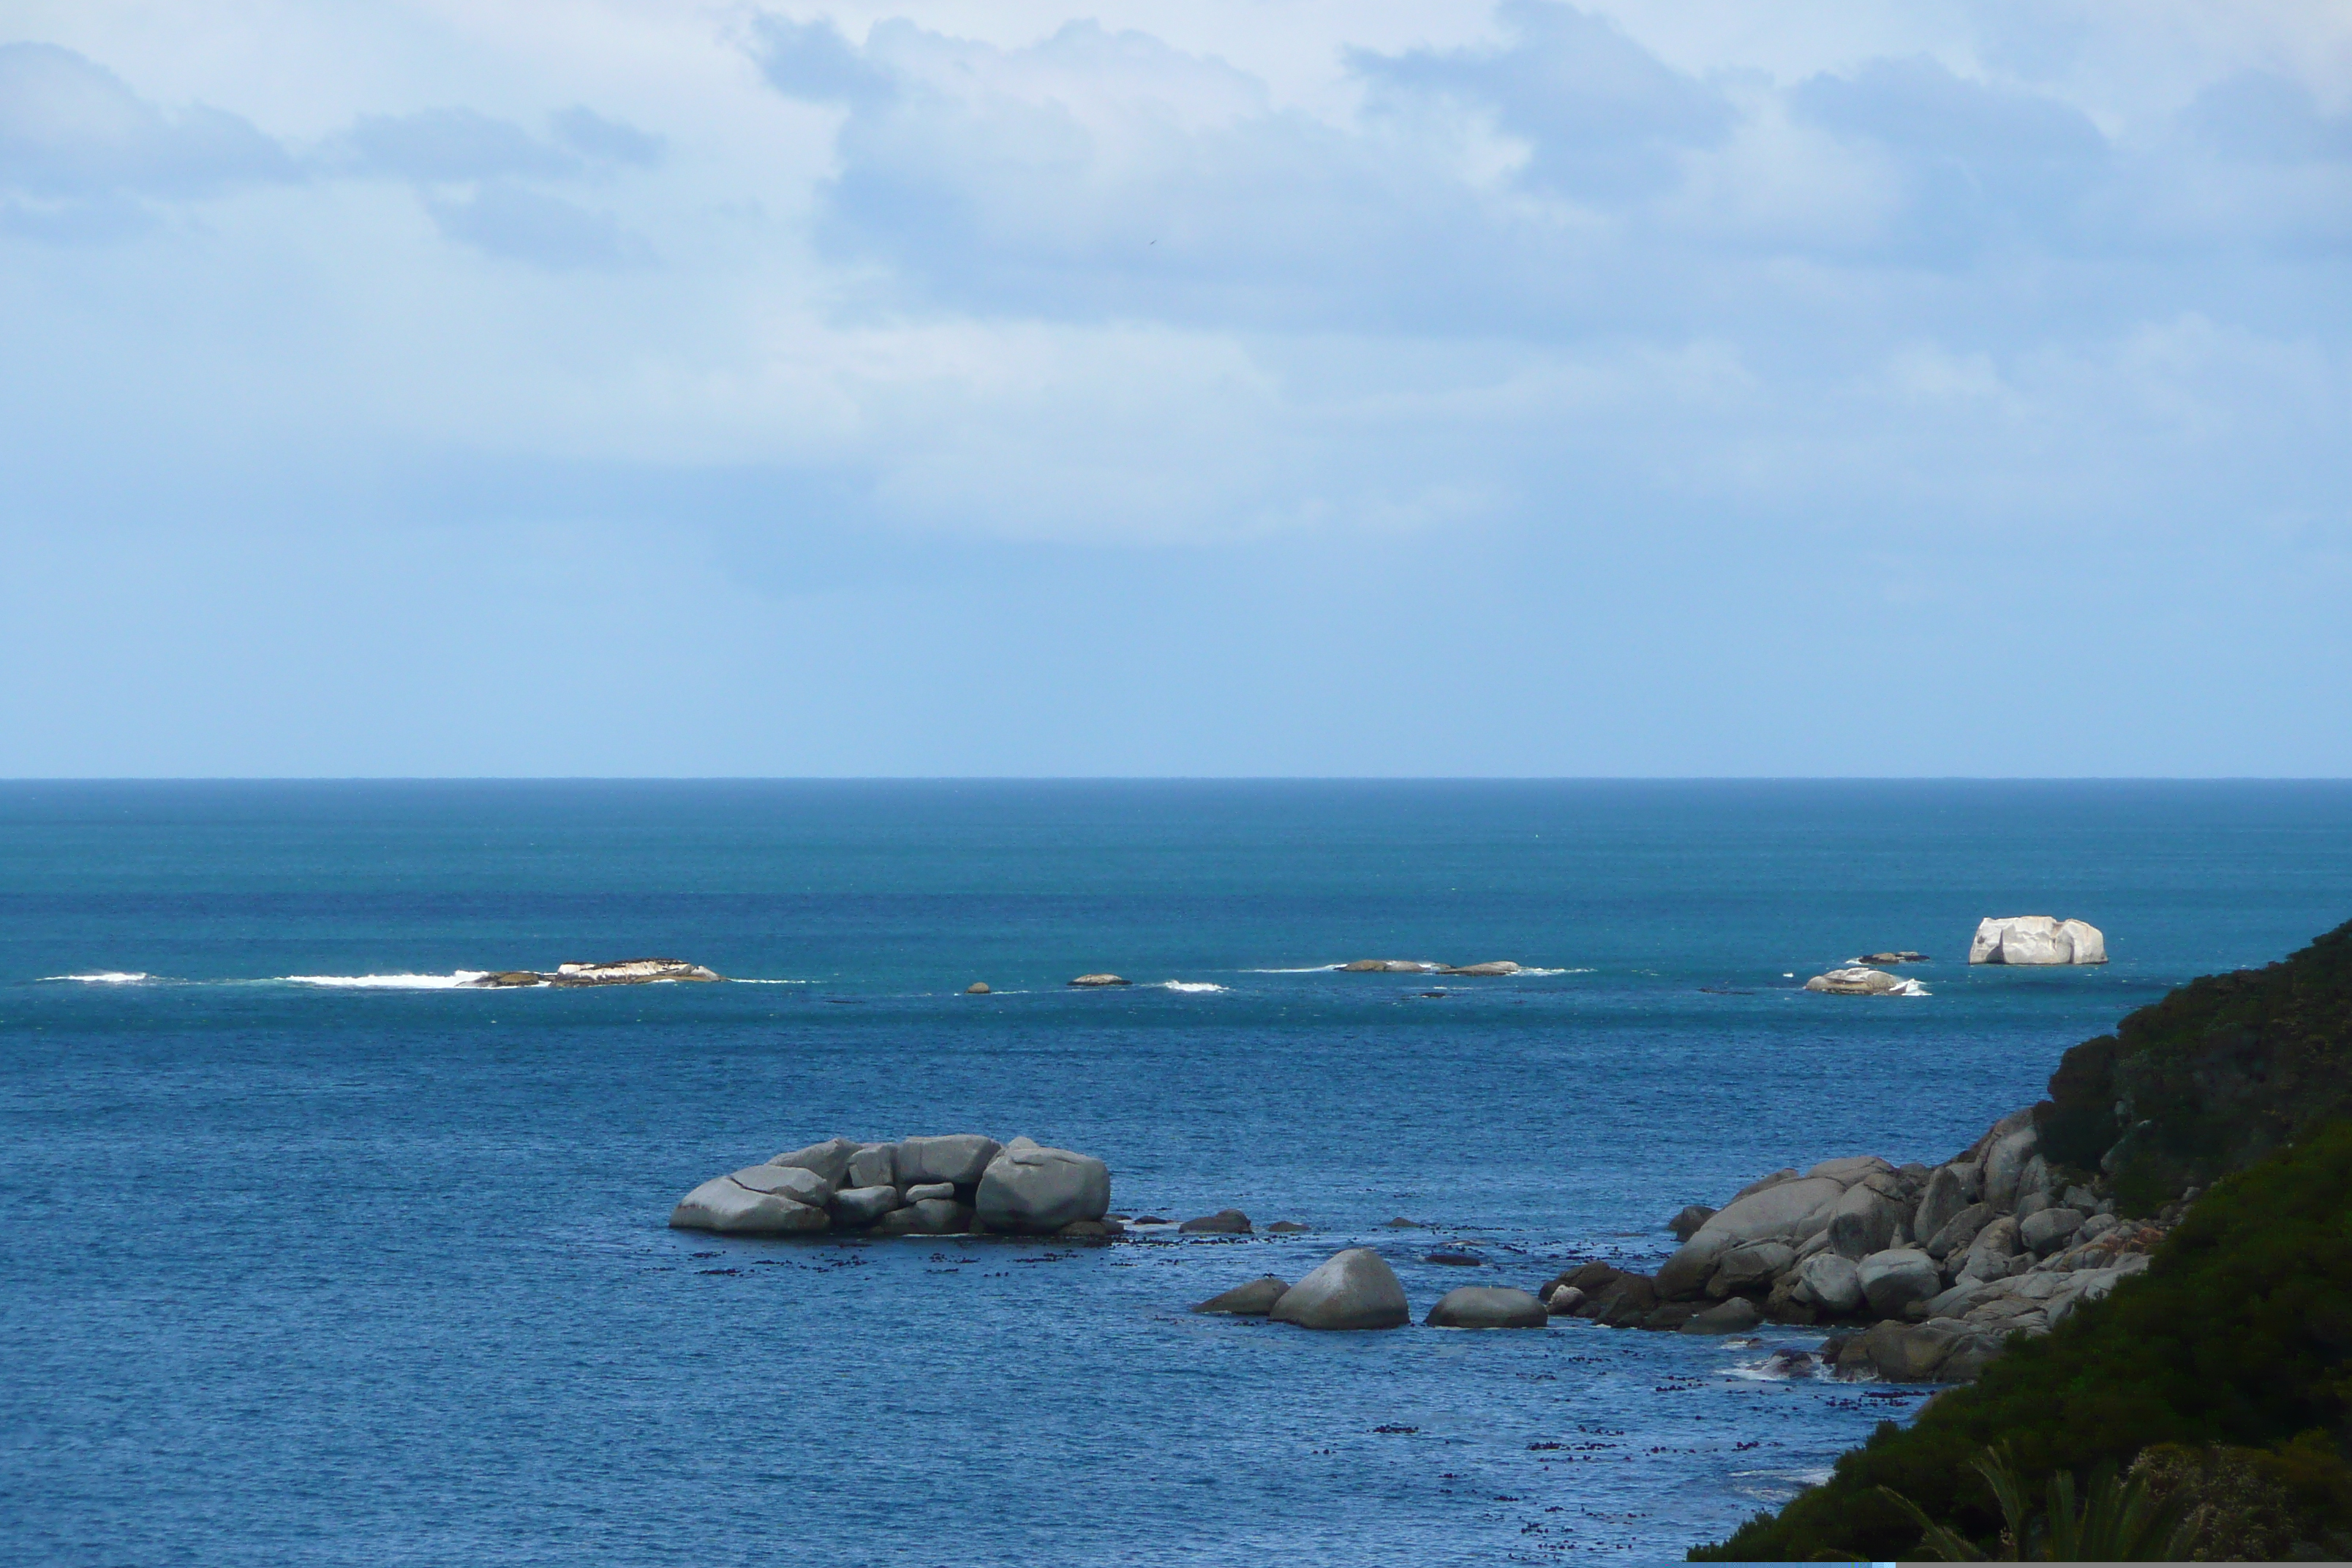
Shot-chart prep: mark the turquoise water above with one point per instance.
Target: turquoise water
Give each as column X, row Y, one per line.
column 307, row 1271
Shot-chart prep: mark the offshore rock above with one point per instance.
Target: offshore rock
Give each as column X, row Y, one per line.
column 1031, row 1189
column 1863, row 982
column 1351, row 1289
column 1491, row 967
column 1487, row 1307
column 2036, row 939
column 725, row 1205
column 1100, row 980
column 829, row 1159
column 1224, row 1222
column 1254, row 1299
column 956, row 1157
column 1390, row 966
column 629, row 971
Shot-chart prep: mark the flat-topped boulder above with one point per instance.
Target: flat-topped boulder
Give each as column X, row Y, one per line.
column 1893, row 955
column 1390, row 966
column 2036, row 939
column 1095, row 980
column 1493, row 966
column 1488, row 1307
column 1864, row 982
column 1254, row 1299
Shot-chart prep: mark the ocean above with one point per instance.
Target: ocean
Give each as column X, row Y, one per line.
column 309, row 1257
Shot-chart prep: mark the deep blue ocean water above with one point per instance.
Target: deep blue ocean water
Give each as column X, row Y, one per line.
column 306, row 1273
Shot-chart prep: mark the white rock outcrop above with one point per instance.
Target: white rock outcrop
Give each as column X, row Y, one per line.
column 2036, row 939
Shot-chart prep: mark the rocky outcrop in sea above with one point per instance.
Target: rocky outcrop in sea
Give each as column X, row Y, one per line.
column 947, row 1185
column 2036, row 939
column 617, row 971
column 1928, row 1269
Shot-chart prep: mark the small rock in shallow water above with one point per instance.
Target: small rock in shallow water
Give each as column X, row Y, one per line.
column 1285, row 1225
column 1099, row 980
column 1456, row 1259
column 1487, row 1307
column 1351, row 1289
column 1493, row 967
column 1150, row 1219
column 1224, row 1222
column 977, row 988
column 1563, row 1301
column 1401, row 1223
column 1254, row 1299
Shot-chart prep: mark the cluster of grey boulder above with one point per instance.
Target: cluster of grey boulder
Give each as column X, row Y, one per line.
column 1862, row 981
column 615, row 972
column 945, row 1185
column 2036, row 939
column 1943, row 1263
column 1357, row 1289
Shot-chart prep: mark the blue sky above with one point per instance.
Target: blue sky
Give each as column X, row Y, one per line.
column 1248, row 387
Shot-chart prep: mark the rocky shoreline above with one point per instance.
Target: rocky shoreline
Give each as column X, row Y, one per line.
column 1922, row 1273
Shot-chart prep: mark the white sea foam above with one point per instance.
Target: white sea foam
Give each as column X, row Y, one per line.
column 1188, row 985
column 105, row 977
column 1555, row 972
column 388, row 982
column 738, row 980
column 1912, row 988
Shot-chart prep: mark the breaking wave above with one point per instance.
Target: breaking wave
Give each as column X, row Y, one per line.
column 105, row 977
column 387, row 981
column 1187, row 986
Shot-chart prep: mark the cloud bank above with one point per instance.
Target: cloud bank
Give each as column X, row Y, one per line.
column 1256, row 367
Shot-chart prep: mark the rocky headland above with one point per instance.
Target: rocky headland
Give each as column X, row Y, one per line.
column 1926, row 1270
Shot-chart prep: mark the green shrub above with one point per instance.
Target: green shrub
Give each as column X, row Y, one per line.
column 2240, row 1334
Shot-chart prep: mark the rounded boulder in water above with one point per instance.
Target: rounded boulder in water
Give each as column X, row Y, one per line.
column 1031, row 1189
column 1351, row 1289
column 1487, row 1307
column 1254, row 1299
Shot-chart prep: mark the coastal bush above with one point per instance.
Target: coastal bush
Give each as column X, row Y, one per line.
column 2239, row 1335
column 2208, row 1079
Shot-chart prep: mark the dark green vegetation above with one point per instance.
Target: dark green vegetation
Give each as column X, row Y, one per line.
column 2146, row 1517
column 2208, row 1080
column 2225, row 1371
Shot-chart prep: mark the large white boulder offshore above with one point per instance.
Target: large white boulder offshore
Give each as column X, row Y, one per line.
column 2036, row 939
column 1351, row 1289
column 1031, row 1189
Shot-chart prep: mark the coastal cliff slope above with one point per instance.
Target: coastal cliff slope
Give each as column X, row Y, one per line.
column 2225, row 1371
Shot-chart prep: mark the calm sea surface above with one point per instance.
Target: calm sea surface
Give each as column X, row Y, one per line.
column 306, row 1271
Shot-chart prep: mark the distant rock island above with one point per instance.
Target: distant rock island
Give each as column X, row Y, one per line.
column 619, row 972
column 947, row 1185
column 2036, row 939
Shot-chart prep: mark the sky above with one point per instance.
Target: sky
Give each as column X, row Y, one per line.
column 1248, row 387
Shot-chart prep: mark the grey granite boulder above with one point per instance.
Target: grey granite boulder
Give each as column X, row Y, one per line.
column 1950, row 1189
column 1863, row 1221
column 731, row 1209
column 1862, row 981
column 1031, row 1189
column 2036, row 939
column 1906, row 1353
column 1224, row 1222
column 1893, row 1279
column 797, row 1182
column 1492, row 967
column 2005, row 1168
column 1791, row 1211
column 1254, row 1299
column 930, row 1217
column 864, row 1206
column 1685, row 1223
column 1958, row 1233
column 958, row 1158
column 874, row 1165
column 1487, row 1307
column 2049, row 1231
column 1832, row 1281
column 1562, row 1300
column 1094, row 980
column 1751, row 1267
column 1351, row 1289
column 829, row 1159
column 1736, row 1316
column 922, row 1191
